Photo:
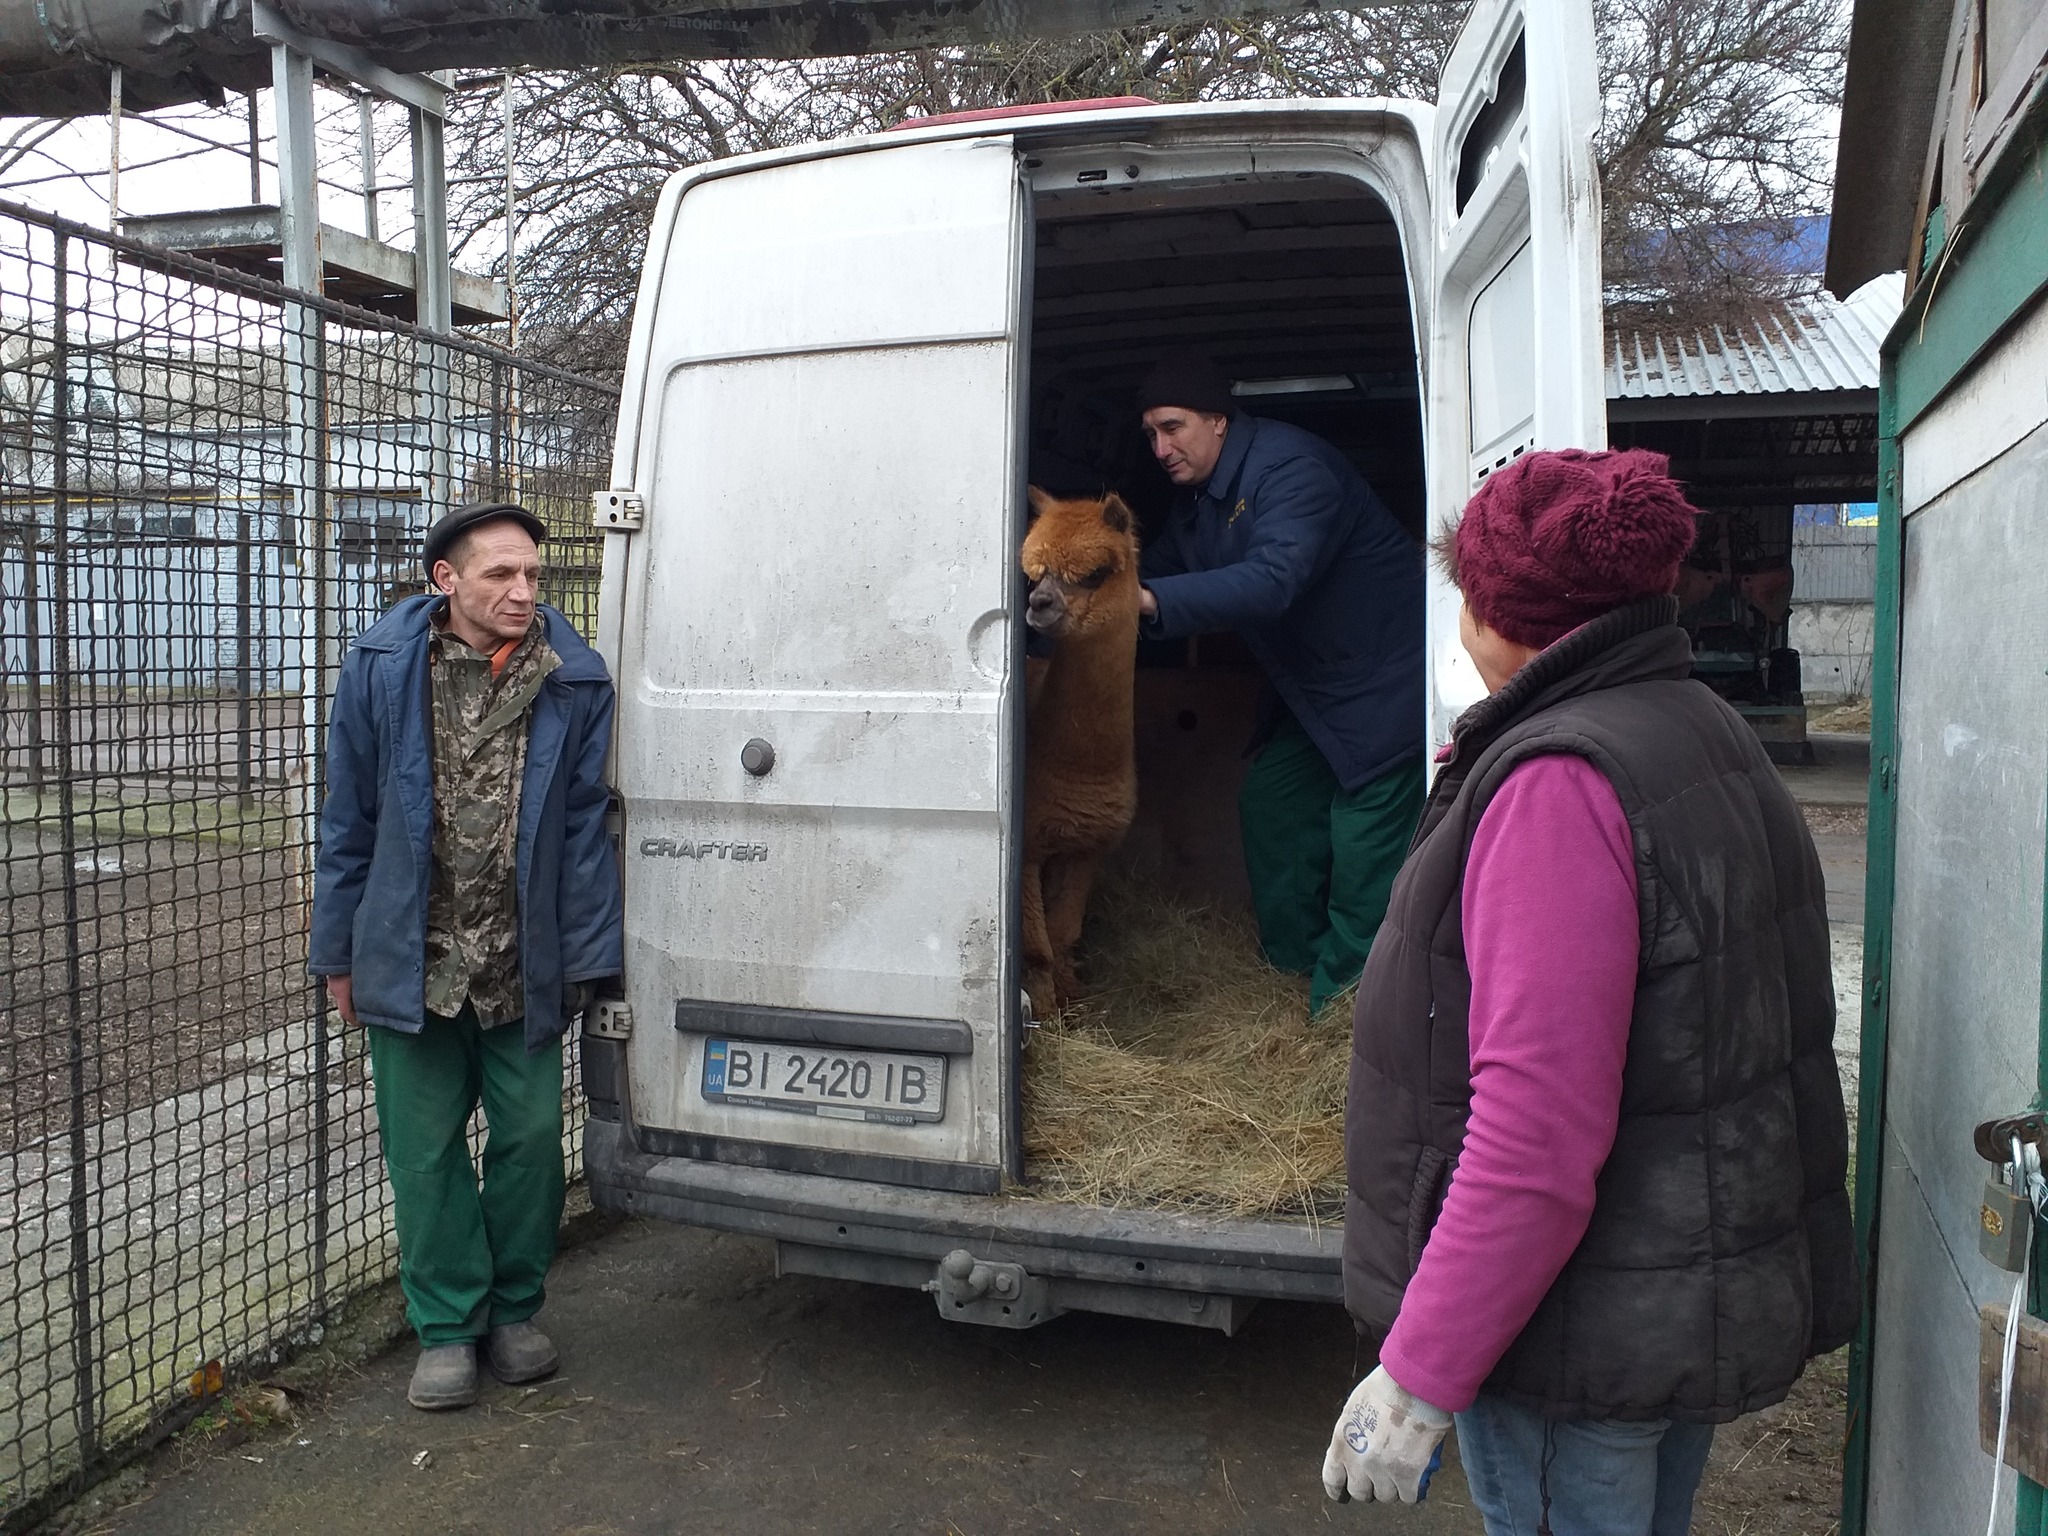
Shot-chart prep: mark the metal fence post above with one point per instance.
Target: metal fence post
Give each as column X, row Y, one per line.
column 242, row 744
column 305, row 382
column 434, row 289
column 84, row 1349
column 32, row 641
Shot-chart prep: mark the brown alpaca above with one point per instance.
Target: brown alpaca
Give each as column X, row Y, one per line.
column 1080, row 771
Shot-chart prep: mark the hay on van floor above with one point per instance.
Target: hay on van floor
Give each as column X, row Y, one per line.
column 1192, row 1078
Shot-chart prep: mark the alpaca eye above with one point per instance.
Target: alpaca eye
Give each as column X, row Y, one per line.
column 1097, row 577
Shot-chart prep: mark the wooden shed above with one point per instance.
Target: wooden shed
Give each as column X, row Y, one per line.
column 1943, row 170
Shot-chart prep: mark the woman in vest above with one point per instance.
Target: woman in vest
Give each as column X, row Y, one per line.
column 1594, row 1130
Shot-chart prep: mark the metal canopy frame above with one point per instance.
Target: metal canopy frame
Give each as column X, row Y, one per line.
column 295, row 60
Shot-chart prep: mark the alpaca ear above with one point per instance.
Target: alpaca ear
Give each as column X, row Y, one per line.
column 1115, row 514
column 1039, row 501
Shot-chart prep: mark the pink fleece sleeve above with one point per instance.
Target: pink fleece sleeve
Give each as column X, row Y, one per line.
column 1551, row 941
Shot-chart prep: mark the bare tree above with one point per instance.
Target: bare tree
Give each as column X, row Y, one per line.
column 1716, row 115
column 1718, row 136
column 594, row 146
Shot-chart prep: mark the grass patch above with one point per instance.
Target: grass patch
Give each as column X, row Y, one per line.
column 250, row 824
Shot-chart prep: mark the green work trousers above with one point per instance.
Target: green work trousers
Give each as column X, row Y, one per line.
column 1322, row 859
column 470, row 1258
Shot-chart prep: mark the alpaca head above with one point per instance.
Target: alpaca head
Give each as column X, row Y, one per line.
column 1081, row 557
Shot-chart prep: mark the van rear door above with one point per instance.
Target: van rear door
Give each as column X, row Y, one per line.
column 815, row 654
column 1515, row 322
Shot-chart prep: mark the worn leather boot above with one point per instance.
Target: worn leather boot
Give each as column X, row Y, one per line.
column 519, row 1352
column 444, row 1378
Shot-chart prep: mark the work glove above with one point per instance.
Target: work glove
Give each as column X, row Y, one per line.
column 1386, row 1446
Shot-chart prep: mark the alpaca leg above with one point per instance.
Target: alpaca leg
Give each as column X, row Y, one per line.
column 1066, row 907
column 1038, row 957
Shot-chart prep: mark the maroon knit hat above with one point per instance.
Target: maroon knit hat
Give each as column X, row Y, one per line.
column 1556, row 539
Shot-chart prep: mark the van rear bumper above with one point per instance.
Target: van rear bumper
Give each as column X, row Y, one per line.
column 1091, row 1246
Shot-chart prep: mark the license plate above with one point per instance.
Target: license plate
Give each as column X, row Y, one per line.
column 823, row 1080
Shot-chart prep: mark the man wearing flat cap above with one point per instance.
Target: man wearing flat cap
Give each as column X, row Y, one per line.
column 466, row 907
column 1276, row 536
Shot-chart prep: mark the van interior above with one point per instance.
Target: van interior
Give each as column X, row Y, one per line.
column 1296, row 286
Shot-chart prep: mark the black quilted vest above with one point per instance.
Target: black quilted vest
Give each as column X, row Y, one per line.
column 1720, row 1253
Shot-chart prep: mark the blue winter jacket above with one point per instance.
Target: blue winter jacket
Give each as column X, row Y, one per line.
column 1288, row 545
column 377, row 829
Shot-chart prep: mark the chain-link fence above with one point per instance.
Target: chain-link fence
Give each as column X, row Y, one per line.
column 208, row 485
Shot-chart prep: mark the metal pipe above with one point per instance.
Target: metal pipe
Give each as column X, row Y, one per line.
column 305, row 357
column 53, row 58
column 114, row 150
column 32, row 637
column 366, row 135
column 511, row 214
column 243, row 772
column 83, row 1346
column 255, row 154
column 434, row 288
column 513, row 486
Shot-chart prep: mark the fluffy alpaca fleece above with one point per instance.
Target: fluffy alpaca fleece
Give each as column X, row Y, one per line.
column 1080, row 771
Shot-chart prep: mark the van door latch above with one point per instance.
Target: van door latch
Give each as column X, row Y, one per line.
column 618, row 511
column 609, row 1018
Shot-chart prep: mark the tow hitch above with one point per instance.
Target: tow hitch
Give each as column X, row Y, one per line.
column 971, row 1290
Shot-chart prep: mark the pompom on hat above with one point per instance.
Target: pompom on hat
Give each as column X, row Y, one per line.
column 1556, row 539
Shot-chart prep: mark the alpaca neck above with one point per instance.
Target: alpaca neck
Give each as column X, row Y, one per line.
column 1088, row 681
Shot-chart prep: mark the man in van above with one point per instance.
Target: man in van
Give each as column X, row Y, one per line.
column 466, row 905
column 1276, row 536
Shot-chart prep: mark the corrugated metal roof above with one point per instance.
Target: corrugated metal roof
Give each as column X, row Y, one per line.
column 1802, row 346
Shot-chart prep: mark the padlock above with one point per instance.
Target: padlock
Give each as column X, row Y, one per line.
column 2004, row 1226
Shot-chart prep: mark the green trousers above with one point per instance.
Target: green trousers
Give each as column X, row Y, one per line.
column 470, row 1258
column 1322, row 859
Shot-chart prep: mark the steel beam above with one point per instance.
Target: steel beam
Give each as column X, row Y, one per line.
column 422, row 93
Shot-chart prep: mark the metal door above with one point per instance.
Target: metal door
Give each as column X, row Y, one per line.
column 816, row 648
column 1515, row 314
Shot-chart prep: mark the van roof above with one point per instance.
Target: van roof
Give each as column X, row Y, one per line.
column 1028, row 109
column 1114, row 112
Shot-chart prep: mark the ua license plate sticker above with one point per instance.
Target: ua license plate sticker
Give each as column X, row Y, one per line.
column 821, row 1080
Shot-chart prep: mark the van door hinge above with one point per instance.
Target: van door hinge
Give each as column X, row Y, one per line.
column 618, row 511
column 610, row 1018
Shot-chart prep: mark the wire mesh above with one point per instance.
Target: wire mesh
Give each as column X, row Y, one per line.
column 208, row 486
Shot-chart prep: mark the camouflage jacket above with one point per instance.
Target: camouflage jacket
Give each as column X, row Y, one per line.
column 481, row 719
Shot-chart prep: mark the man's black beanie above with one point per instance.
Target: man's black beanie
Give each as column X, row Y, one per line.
column 1188, row 380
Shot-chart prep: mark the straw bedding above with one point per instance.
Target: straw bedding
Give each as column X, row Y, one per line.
column 1191, row 1079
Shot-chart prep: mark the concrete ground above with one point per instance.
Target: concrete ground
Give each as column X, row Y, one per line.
column 1835, row 790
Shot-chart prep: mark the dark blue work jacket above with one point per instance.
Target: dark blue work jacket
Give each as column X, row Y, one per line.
column 1288, row 545
column 377, row 829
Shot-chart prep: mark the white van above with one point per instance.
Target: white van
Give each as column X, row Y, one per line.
column 844, row 360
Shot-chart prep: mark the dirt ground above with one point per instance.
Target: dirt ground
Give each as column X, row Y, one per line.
column 700, row 1392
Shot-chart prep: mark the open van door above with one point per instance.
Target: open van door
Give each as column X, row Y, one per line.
column 815, row 657
column 1515, row 333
